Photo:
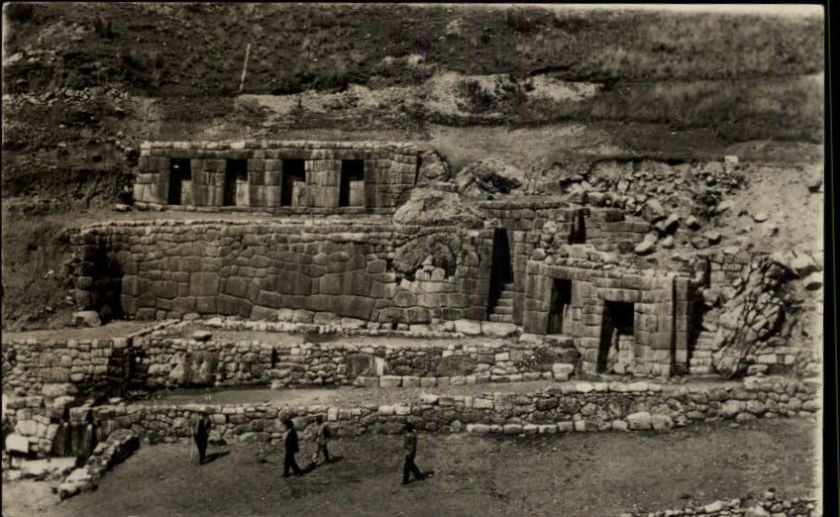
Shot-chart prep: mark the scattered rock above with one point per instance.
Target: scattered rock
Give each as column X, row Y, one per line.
column 87, row 319
column 712, row 236
column 201, row 335
column 760, row 217
column 814, row 183
column 647, row 246
column 653, row 211
column 692, row 223
column 724, row 206
column 813, row 281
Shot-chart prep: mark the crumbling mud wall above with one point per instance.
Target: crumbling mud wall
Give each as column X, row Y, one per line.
column 279, row 176
column 169, row 269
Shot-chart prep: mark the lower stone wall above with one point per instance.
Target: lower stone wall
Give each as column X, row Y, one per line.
column 580, row 406
column 62, row 372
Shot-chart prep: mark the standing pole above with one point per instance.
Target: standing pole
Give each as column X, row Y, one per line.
column 244, row 67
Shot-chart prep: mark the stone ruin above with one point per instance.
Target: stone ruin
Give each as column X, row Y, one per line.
column 352, row 263
column 368, row 239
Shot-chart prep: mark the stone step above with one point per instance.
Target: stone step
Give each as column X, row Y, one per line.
column 506, row 295
column 505, row 302
column 502, row 309
column 501, row 318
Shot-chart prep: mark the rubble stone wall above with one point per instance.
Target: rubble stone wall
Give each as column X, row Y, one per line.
column 390, row 171
column 580, row 406
column 661, row 305
column 169, row 269
column 62, row 371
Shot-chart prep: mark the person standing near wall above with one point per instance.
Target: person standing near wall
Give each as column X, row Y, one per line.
column 290, row 443
column 322, row 435
column 410, row 449
column 201, row 434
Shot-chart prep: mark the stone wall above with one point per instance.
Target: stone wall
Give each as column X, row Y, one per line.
column 390, row 171
column 534, row 222
column 63, row 371
column 580, row 406
column 661, row 305
column 169, row 269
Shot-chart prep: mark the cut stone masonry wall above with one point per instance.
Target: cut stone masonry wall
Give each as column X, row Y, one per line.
column 390, row 171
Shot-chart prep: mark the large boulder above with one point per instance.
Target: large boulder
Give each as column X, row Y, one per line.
column 484, row 178
column 433, row 167
column 428, row 207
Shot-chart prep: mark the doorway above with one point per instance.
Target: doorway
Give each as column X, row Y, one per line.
column 561, row 300
column 179, row 173
column 501, row 270
column 618, row 321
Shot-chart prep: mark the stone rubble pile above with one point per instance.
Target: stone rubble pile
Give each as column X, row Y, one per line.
column 117, row 448
column 768, row 505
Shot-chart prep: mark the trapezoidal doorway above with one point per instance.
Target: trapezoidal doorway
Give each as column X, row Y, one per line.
column 500, row 303
column 561, row 300
column 617, row 343
column 180, row 182
column 351, row 189
column 236, row 183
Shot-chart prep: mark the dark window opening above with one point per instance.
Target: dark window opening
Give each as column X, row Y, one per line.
column 179, row 172
column 561, row 300
column 578, row 233
column 236, row 172
column 617, row 322
column 351, row 188
column 294, row 171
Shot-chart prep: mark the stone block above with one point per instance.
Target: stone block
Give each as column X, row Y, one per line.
column 390, row 381
column 17, row 444
column 562, row 371
column 661, row 422
column 468, row 327
column 497, row 329
column 639, row 420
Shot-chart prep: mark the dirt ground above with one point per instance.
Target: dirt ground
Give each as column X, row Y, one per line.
column 596, row 474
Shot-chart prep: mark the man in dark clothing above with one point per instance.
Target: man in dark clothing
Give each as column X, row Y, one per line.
column 292, row 447
column 410, row 448
column 201, row 434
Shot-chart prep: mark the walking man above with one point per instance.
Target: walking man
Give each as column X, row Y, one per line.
column 410, row 448
column 292, row 447
column 322, row 434
column 201, row 434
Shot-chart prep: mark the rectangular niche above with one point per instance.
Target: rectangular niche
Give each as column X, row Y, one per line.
column 294, row 183
column 351, row 191
column 235, row 191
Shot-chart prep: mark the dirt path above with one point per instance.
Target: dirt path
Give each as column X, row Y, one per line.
column 596, row 474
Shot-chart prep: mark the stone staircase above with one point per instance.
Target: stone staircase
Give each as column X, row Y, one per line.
column 701, row 358
column 503, row 310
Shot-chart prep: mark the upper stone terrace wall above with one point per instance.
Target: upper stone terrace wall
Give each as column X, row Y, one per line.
column 282, row 176
column 169, row 269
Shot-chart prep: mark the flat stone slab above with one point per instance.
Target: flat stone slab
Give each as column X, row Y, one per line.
column 498, row 329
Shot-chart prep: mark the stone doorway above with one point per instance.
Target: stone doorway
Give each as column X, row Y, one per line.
column 180, row 182
column 561, row 300
column 617, row 343
column 500, row 304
